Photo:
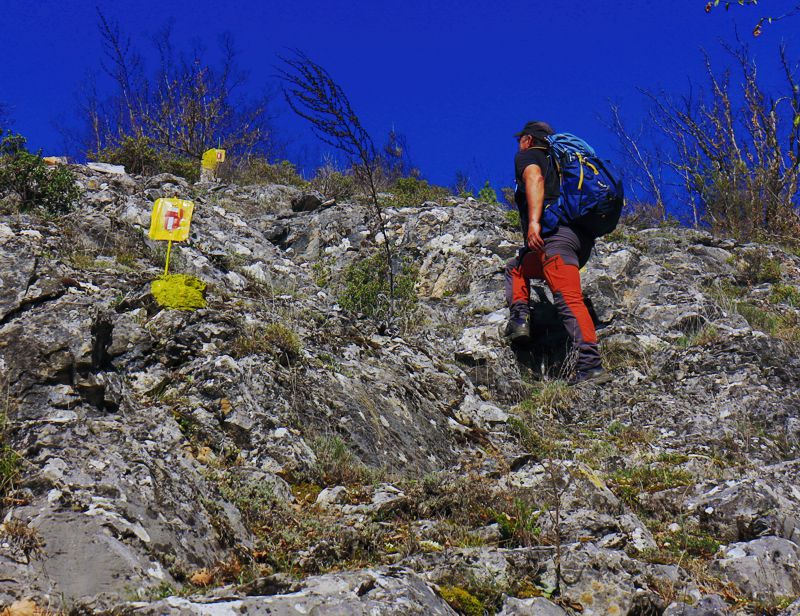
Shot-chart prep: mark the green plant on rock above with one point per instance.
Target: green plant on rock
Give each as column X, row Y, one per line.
column 366, row 289
column 187, row 424
column 476, row 594
column 785, row 294
column 136, row 154
column 546, row 442
column 757, row 316
column 336, row 464
column 333, row 183
column 254, row 499
column 125, row 258
column 139, row 156
column 466, row 501
column 697, row 544
column 155, row 593
column 725, row 290
column 274, row 338
column 549, row 397
column 628, row 483
column 10, row 460
column 82, row 261
column 463, row 505
column 783, row 325
column 283, row 341
column 487, row 194
column 707, row 334
column 677, row 546
column 303, row 539
column 615, row 428
column 321, row 273
column 413, row 192
column 755, row 266
column 520, row 525
column 512, row 216
column 536, row 427
column 261, row 171
column 773, row 607
column 531, row 440
column 28, row 179
column 595, row 446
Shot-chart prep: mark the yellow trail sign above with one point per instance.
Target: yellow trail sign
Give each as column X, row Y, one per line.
column 170, row 222
column 212, row 158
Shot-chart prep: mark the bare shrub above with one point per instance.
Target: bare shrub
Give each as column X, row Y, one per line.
column 735, row 151
column 333, row 182
column 258, row 170
column 177, row 112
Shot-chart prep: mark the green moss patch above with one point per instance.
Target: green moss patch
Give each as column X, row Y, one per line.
column 179, row 292
column 628, row 483
column 462, row 601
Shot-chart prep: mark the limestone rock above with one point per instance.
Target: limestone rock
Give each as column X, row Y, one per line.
column 537, row 606
column 307, row 202
column 792, row 610
column 753, row 507
column 393, row 591
column 763, row 568
column 712, row 605
column 107, row 168
column 155, row 444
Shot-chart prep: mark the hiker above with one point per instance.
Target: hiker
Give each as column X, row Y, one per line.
column 555, row 257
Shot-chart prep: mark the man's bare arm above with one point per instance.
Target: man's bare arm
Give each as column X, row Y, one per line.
column 534, row 191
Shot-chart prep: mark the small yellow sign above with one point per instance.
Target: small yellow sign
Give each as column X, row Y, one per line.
column 170, row 220
column 212, row 158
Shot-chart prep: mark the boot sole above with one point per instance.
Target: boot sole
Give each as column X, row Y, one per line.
column 600, row 379
column 519, row 337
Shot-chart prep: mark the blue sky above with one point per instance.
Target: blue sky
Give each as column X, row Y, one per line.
column 456, row 78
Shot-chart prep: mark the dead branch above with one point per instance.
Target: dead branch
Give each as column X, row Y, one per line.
column 315, row 96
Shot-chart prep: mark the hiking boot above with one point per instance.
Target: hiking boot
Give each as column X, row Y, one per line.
column 596, row 376
column 518, row 328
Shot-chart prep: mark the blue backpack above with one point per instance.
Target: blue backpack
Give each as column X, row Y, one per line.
column 591, row 196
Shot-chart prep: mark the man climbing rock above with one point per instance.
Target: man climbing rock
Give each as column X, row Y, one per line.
column 555, row 257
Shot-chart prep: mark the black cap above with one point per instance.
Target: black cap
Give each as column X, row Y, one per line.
column 537, row 128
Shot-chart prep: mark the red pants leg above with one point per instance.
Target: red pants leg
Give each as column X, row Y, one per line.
column 519, row 270
column 565, row 282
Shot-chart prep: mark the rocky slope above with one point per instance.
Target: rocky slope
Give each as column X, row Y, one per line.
column 273, row 453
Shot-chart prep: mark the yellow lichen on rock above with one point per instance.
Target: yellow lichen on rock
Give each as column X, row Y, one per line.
column 202, row 578
column 462, row 601
column 179, row 292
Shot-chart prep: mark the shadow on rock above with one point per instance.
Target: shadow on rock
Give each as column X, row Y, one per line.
column 548, row 353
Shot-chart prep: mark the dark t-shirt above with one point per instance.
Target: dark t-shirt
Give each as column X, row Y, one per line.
column 534, row 156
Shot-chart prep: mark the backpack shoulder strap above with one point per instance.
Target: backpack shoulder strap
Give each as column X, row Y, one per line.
column 550, row 157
